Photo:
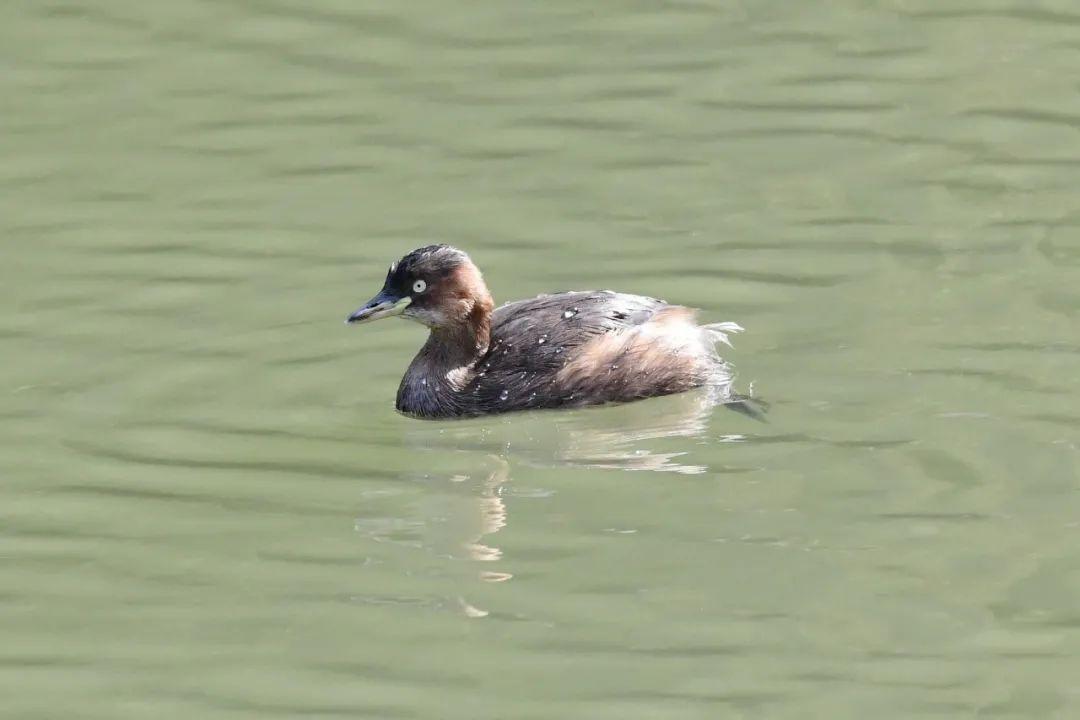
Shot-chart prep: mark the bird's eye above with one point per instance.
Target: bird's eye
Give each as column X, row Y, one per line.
column 419, row 286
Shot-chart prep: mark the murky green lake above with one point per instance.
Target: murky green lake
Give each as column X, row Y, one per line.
column 209, row 508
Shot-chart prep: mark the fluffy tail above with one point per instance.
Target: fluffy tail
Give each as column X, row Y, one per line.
column 718, row 332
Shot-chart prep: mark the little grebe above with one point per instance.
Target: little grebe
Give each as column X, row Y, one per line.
column 563, row 350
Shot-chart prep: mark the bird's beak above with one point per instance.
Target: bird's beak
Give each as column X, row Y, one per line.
column 385, row 304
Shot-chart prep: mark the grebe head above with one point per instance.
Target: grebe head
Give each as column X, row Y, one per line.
column 437, row 286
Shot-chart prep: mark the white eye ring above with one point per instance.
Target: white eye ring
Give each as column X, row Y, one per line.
column 419, row 286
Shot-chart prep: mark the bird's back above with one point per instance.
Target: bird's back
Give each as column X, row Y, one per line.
column 584, row 348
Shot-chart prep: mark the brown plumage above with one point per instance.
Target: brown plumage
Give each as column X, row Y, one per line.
column 563, row 350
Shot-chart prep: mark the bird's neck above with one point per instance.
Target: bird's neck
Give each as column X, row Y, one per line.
column 436, row 377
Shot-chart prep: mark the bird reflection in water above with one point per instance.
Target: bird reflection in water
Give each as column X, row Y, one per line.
column 491, row 517
column 609, row 438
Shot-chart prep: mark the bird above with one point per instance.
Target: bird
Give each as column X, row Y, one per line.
column 559, row 350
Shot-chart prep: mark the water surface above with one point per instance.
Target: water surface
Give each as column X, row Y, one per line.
column 208, row 507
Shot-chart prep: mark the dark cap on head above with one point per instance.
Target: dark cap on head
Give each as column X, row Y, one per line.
column 431, row 262
column 419, row 286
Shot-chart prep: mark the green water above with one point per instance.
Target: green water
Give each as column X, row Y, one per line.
column 209, row 509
